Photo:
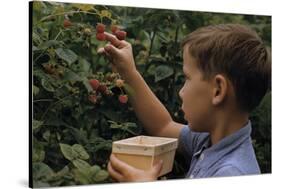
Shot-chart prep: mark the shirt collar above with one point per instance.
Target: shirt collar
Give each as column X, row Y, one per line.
column 227, row 144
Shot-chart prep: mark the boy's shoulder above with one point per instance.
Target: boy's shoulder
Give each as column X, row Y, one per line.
column 233, row 155
column 240, row 161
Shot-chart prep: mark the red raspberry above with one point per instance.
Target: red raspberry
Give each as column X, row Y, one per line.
column 100, row 36
column 66, row 23
column 94, row 83
column 123, row 99
column 121, row 35
column 100, row 28
column 102, row 89
column 93, row 98
column 114, row 29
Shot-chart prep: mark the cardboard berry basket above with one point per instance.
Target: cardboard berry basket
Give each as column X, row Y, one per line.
column 143, row 152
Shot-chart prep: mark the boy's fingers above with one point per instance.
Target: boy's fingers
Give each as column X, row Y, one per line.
column 112, row 39
column 157, row 168
column 114, row 174
column 110, row 49
column 101, row 51
column 118, row 165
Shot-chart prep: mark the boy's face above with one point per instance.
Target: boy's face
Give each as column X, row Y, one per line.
column 196, row 95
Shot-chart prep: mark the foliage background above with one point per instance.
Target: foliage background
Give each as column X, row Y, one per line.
column 72, row 137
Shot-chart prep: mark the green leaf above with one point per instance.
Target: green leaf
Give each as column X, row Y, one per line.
column 38, row 153
column 71, row 76
column 68, row 152
column 63, row 171
column 80, row 151
column 48, row 44
column 162, row 72
column 36, row 124
column 46, row 135
column 66, row 54
column 81, row 177
column 41, row 171
column 87, row 85
column 35, row 90
column 100, row 176
column 82, row 165
column 84, row 64
column 47, row 85
column 84, row 7
column 94, row 170
column 39, row 184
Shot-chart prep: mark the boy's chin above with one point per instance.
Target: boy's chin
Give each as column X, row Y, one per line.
column 195, row 128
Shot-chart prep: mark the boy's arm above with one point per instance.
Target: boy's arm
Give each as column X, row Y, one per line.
column 150, row 111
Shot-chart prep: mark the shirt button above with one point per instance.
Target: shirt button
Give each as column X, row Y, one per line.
column 201, row 156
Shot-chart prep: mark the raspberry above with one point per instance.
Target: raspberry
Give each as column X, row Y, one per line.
column 119, row 83
column 123, row 99
column 100, row 36
column 102, row 89
column 121, row 35
column 100, row 28
column 95, row 83
column 93, row 98
column 66, row 23
column 114, row 29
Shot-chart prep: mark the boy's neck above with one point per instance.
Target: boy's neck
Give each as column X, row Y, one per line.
column 227, row 126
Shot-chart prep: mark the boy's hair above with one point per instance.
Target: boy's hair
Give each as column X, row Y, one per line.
column 237, row 52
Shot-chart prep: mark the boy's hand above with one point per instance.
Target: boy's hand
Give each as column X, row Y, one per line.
column 120, row 53
column 123, row 172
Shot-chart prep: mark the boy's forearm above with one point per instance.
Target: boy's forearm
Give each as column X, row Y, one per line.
column 149, row 110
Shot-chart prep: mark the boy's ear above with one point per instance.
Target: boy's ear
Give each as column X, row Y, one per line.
column 219, row 89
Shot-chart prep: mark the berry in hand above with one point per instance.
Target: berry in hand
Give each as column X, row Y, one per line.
column 114, row 29
column 121, row 35
column 100, row 36
column 100, row 28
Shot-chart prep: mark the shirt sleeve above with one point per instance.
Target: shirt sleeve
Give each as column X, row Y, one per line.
column 228, row 170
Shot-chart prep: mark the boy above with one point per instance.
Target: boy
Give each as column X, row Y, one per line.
column 228, row 72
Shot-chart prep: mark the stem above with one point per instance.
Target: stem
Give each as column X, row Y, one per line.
column 69, row 12
column 151, row 43
column 58, row 35
column 42, row 100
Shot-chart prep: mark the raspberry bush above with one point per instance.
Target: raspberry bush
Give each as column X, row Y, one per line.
column 80, row 106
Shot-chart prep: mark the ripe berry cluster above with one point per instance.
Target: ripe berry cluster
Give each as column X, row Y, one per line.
column 101, row 88
column 100, row 28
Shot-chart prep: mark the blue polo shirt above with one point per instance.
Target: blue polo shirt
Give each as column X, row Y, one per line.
column 232, row 156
